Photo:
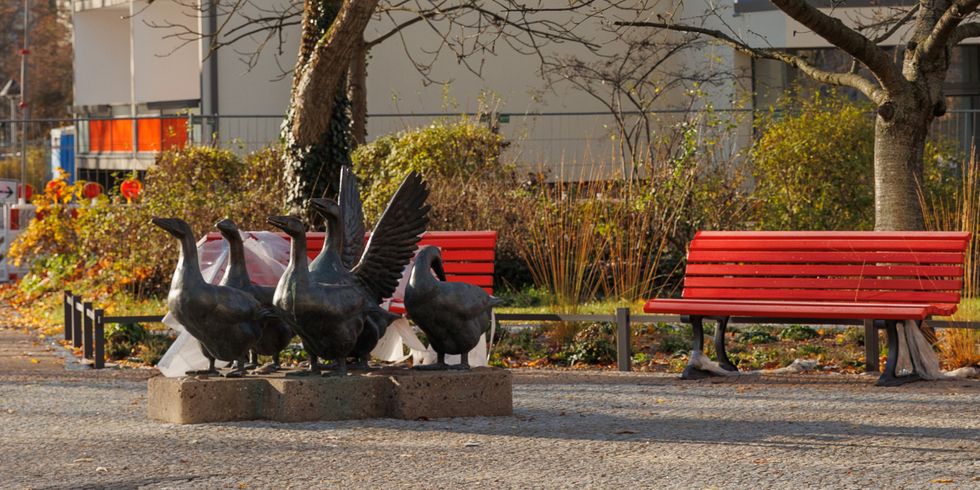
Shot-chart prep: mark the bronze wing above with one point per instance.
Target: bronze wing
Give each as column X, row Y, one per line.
column 352, row 214
column 393, row 241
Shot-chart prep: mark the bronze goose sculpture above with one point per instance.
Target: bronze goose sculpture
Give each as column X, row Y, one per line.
column 398, row 230
column 327, row 317
column 453, row 315
column 227, row 321
column 276, row 333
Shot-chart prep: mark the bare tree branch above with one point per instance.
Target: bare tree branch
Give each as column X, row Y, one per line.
column 941, row 33
column 964, row 31
column 321, row 75
column 853, row 80
column 849, row 40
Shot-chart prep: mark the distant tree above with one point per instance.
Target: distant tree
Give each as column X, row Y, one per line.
column 49, row 91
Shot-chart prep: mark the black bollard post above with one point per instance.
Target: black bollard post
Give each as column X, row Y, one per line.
column 69, row 307
column 99, row 340
column 623, row 358
column 88, row 330
column 76, row 321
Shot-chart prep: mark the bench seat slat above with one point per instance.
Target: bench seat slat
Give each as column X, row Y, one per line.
column 822, row 283
column 828, row 295
column 825, row 270
column 813, row 245
column 943, row 309
column 788, row 310
column 870, row 258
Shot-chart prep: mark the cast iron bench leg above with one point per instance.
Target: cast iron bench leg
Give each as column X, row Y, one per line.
column 720, row 350
column 888, row 376
column 691, row 372
column 697, row 323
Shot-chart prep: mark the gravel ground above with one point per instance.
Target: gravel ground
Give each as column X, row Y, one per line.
column 77, row 429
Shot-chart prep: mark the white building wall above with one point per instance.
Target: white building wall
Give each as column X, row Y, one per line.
column 163, row 72
column 102, row 56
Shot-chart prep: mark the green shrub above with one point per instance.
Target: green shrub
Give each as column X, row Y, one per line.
column 593, row 345
column 756, row 335
column 814, row 165
column 854, row 335
column 810, row 350
column 797, row 332
column 442, row 150
column 673, row 343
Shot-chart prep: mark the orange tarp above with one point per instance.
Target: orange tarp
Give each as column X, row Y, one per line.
column 152, row 134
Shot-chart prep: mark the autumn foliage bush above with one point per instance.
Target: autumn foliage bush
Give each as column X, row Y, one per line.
column 105, row 246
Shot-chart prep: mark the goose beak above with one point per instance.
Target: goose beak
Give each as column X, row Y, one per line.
column 170, row 225
column 281, row 222
column 319, row 204
column 226, row 225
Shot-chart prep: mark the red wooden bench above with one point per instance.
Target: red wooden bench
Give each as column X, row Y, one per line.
column 467, row 256
column 793, row 277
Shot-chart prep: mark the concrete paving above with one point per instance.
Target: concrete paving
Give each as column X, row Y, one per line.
column 85, row 429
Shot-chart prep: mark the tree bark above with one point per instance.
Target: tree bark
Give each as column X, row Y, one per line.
column 899, row 149
column 317, row 132
column 323, row 73
column 358, row 94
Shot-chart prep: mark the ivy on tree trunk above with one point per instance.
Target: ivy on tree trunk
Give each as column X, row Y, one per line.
column 317, row 146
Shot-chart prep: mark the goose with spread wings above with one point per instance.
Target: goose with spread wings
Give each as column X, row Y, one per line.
column 344, row 258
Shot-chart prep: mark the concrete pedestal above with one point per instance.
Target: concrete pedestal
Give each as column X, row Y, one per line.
column 393, row 393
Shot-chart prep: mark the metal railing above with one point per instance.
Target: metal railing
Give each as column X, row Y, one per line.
column 84, row 327
column 578, row 142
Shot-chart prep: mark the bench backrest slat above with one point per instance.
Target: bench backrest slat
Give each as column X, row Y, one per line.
column 880, row 267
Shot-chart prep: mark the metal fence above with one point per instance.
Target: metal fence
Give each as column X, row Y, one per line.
column 570, row 143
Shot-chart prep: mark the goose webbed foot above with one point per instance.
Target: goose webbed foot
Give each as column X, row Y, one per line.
column 339, row 368
column 314, row 369
column 439, row 365
column 361, row 364
column 268, row 368
column 436, row 366
column 253, row 360
column 464, row 365
column 237, row 371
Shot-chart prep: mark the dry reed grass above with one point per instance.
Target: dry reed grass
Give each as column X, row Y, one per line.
column 960, row 347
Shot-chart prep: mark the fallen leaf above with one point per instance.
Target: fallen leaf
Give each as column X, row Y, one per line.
column 661, row 400
column 35, row 361
column 471, row 444
column 102, row 469
column 941, row 480
column 83, row 460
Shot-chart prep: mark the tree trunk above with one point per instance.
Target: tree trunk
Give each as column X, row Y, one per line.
column 358, row 94
column 899, row 147
column 326, row 69
column 317, row 131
